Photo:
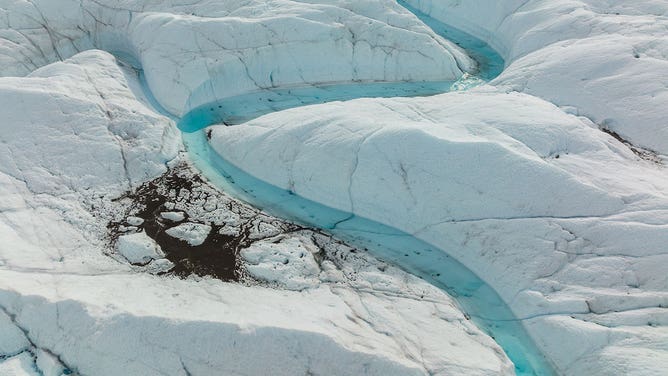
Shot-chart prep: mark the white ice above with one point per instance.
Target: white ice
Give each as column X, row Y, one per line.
column 78, row 134
column 138, row 248
column 192, row 233
column 515, row 179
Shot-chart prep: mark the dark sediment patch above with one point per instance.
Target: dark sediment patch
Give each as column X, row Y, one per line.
column 234, row 226
column 645, row 154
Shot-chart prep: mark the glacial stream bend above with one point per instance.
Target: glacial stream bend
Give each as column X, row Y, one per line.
column 478, row 299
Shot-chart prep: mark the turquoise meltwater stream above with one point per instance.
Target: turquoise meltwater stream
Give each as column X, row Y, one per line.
column 475, row 297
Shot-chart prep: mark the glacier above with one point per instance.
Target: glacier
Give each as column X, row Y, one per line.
column 521, row 144
column 65, row 288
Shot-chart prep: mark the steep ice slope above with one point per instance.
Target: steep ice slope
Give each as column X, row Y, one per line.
column 566, row 222
column 501, row 180
column 92, row 139
column 604, row 59
column 75, row 135
column 211, row 49
column 451, row 163
column 133, row 324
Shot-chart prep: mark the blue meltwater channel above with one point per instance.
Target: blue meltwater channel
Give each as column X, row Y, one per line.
column 476, row 298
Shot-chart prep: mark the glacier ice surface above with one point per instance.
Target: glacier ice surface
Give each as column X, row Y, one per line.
column 580, row 211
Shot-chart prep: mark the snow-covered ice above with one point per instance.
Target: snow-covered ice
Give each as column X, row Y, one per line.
column 191, row 233
column 289, row 262
column 549, row 183
column 173, row 216
column 603, row 59
column 542, row 201
column 19, row 365
column 134, row 221
column 224, row 48
column 138, row 248
column 67, row 286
